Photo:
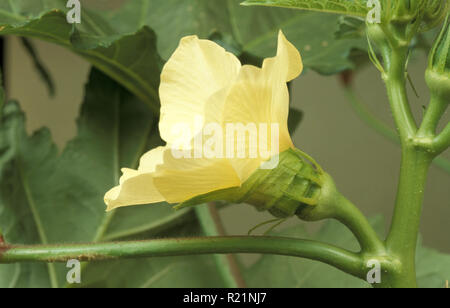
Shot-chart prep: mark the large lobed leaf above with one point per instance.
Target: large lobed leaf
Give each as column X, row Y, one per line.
column 116, row 41
column 254, row 30
column 47, row 197
column 126, row 57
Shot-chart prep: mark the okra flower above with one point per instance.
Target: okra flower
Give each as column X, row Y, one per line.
column 203, row 90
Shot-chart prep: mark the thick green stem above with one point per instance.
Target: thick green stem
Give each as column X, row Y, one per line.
column 342, row 259
column 416, row 159
column 226, row 264
column 403, row 236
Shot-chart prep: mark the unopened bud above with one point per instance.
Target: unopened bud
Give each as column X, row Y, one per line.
column 438, row 72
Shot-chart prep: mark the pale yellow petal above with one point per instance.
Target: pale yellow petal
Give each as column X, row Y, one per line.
column 181, row 179
column 151, row 159
column 287, row 64
column 256, row 100
column 261, row 96
column 196, row 71
column 136, row 186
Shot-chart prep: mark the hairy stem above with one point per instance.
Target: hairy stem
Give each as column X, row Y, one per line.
column 344, row 260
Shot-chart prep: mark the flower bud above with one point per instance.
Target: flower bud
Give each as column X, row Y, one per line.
column 423, row 14
column 406, row 9
column 435, row 13
column 438, row 72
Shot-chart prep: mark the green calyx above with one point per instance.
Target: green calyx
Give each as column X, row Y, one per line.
column 405, row 10
column 285, row 191
column 402, row 20
column 435, row 13
column 438, row 72
column 327, row 203
column 426, row 14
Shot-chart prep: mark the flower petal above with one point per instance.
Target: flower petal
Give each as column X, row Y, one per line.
column 197, row 70
column 257, row 99
column 180, row 179
column 136, row 186
column 288, row 64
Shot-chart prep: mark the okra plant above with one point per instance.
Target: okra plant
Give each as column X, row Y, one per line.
column 186, row 112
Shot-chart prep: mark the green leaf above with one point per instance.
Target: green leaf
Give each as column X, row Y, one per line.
column 433, row 268
column 250, row 33
column 345, row 7
column 129, row 58
column 252, row 30
column 310, row 32
column 350, row 27
column 167, row 272
column 46, row 197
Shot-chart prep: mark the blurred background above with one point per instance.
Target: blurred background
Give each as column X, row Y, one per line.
column 364, row 164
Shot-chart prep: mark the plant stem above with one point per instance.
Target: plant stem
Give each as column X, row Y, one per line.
column 212, row 226
column 351, row 216
column 435, row 111
column 442, row 142
column 342, row 259
column 332, row 204
column 416, row 159
column 395, row 81
column 403, row 236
